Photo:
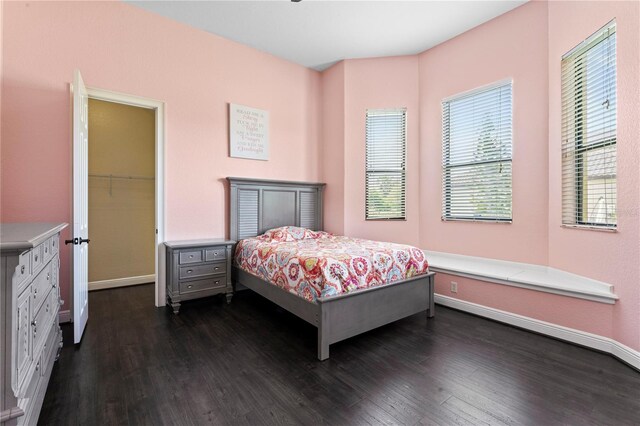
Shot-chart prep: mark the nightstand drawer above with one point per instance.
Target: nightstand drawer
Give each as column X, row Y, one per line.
column 193, row 256
column 216, row 253
column 186, row 287
column 202, row 270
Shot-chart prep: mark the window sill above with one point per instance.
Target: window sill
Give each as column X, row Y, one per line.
column 523, row 275
column 592, row 228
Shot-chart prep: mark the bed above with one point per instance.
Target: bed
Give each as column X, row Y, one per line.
column 258, row 205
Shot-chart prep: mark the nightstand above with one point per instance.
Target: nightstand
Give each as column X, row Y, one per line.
column 198, row 268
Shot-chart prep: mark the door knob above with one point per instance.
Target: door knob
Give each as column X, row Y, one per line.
column 77, row 241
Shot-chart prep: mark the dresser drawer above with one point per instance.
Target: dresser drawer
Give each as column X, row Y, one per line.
column 187, row 287
column 42, row 323
column 41, row 286
column 215, row 253
column 23, row 270
column 37, row 259
column 52, row 342
column 46, row 250
column 55, row 274
column 205, row 269
column 23, row 334
column 55, row 242
column 191, row 256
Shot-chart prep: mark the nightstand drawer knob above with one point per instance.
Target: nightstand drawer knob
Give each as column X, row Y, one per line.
column 189, row 286
column 189, row 271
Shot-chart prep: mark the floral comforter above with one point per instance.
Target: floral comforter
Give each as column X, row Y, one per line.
column 316, row 265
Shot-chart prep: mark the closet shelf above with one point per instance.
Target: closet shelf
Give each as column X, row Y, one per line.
column 112, row 177
column 122, row 177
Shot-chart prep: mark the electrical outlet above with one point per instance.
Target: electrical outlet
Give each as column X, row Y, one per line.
column 454, row 287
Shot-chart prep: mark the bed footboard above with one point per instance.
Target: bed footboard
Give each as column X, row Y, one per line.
column 348, row 315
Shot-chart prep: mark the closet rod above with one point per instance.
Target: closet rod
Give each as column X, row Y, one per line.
column 122, row 177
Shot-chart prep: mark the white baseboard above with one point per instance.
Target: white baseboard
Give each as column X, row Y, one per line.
column 121, row 282
column 604, row 344
column 64, row 316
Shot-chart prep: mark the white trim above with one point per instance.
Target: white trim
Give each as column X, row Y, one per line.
column 64, row 316
column 593, row 341
column 522, row 275
column 601, row 228
column 121, row 282
column 480, row 89
column 158, row 106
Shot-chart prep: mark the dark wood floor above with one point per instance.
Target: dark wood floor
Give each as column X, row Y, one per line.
column 252, row 363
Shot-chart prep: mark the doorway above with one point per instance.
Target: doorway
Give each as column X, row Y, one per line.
column 121, row 190
column 153, row 180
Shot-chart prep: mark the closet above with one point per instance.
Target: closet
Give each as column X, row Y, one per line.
column 121, row 195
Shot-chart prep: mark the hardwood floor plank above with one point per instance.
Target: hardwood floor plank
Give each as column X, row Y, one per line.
column 252, row 363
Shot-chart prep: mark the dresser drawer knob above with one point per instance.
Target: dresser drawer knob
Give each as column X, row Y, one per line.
column 189, row 286
column 37, row 366
column 189, row 271
column 217, row 282
column 22, row 269
column 36, row 257
column 48, row 275
column 216, row 268
column 190, row 256
column 46, row 249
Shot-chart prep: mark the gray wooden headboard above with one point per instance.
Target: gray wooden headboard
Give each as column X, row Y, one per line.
column 257, row 205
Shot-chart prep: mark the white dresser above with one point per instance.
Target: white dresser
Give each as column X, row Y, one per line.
column 30, row 337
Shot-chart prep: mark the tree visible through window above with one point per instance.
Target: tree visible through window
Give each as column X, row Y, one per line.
column 476, row 160
column 386, row 155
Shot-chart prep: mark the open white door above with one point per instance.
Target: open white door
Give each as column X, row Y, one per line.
column 80, row 207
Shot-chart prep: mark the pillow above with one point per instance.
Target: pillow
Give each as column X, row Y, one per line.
column 292, row 233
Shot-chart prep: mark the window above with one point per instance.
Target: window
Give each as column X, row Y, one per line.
column 476, row 155
column 589, row 132
column 386, row 161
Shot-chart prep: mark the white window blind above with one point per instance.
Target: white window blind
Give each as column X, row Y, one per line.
column 386, row 160
column 589, row 132
column 476, row 155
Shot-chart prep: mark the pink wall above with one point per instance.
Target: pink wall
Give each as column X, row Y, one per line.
column 494, row 51
column 122, row 48
column 611, row 257
column 332, row 154
column 498, row 50
column 349, row 89
column 317, row 133
column 380, row 83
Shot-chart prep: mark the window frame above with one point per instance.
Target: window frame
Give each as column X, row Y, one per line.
column 446, row 170
column 580, row 110
column 403, row 172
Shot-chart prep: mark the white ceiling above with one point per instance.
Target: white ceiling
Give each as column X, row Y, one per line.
column 317, row 33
